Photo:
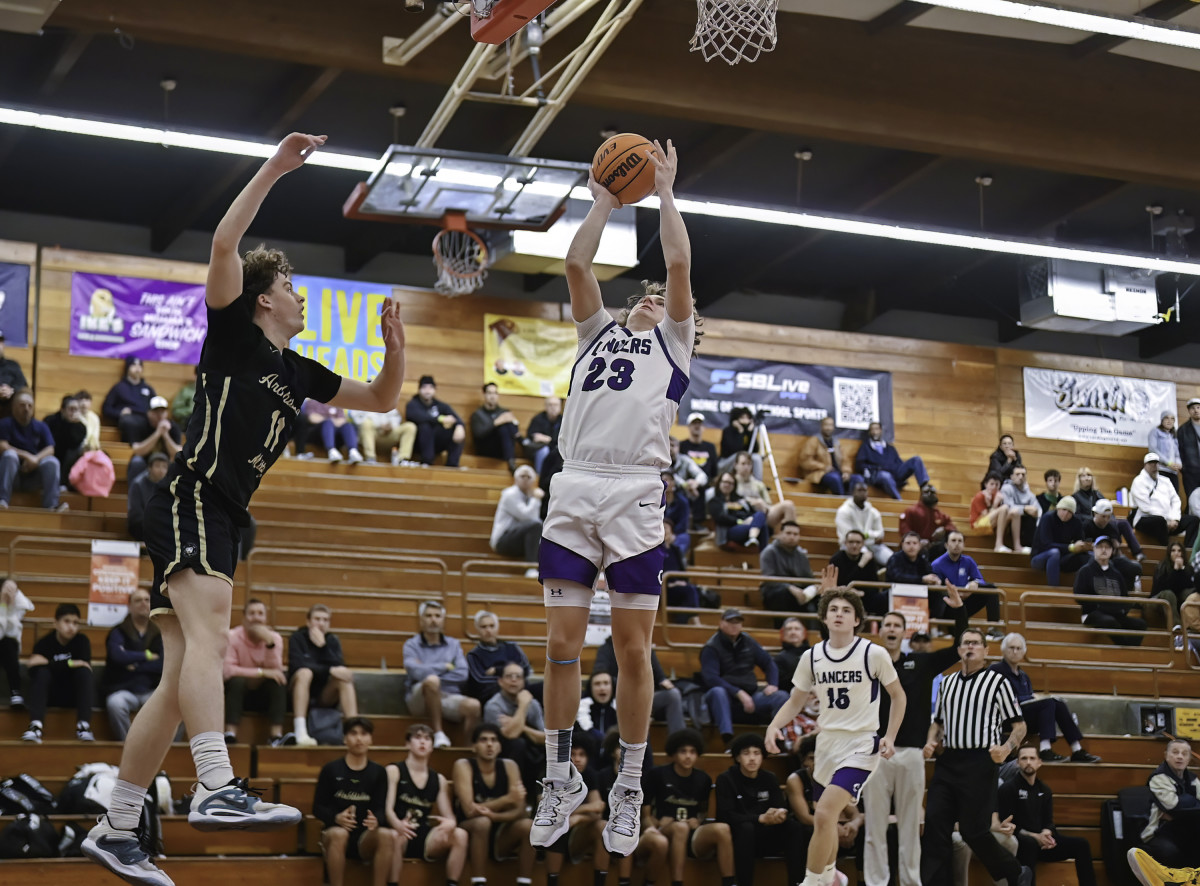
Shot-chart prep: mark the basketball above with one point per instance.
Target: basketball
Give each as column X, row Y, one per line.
column 623, row 166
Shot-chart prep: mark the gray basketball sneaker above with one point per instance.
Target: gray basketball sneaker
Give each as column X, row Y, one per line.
column 238, row 807
column 553, row 816
column 122, row 853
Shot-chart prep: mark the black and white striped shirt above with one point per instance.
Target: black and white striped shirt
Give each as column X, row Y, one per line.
column 972, row 709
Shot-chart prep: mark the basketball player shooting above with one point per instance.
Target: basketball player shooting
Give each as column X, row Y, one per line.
column 845, row 672
column 606, row 505
column 249, row 389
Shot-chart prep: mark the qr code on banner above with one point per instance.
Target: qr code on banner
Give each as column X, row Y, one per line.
column 856, row 402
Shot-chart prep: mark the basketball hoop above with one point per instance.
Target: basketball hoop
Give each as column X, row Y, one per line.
column 461, row 256
column 734, row 30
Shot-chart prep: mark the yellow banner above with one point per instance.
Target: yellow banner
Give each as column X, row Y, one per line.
column 524, row 355
column 1187, row 722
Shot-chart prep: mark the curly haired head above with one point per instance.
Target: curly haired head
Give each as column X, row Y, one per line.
column 847, row 594
column 652, row 287
column 260, row 267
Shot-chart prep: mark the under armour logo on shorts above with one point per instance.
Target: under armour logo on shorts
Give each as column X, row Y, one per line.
column 556, row 592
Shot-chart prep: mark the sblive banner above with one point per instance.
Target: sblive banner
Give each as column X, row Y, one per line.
column 792, row 397
column 14, row 304
column 115, row 566
column 526, row 355
column 1087, row 408
column 341, row 324
column 134, row 317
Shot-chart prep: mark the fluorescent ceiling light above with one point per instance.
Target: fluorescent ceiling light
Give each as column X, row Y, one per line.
column 1129, row 27
column 762, row 214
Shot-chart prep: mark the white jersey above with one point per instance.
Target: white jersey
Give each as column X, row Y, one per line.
column 625, row 392
column 848, row 682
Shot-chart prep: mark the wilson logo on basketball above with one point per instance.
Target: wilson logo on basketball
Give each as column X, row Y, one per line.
column 622, row 169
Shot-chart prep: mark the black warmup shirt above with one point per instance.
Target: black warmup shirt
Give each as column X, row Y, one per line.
column 414, row 803
column 741, row 799
column 916, row 671
column 78, row 649
column 671, row 795
column 339, row 786
column 480, row 788
column 248, row 394
column 1031, row 806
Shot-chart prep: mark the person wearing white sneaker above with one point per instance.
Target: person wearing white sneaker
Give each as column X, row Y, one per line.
column 60, row 675
column 437, row 674
column 13, row 606
column 334, row 429
column 318, row 672
column 122, row 853
column 248, row 395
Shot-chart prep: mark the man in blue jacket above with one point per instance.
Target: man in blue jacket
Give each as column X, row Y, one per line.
column 880, row 463
column 727, row 663
column 1058, row 544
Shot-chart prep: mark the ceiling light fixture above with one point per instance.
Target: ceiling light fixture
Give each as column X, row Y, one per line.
column 1129, row 27
column 746, row 212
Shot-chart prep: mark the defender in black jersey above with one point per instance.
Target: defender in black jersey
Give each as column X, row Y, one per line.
column 490, row 801
column 419, row 810
column 249, row 390
column 350, row 800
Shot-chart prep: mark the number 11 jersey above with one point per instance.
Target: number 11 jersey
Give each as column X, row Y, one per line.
column 847, row 682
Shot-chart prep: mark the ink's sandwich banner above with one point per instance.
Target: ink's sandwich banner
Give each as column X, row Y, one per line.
column 526, row 355
column 14, row 304
column 134, row 317
column 1088, row 408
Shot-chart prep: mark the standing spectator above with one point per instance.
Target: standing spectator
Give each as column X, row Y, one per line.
column 350, row 800
column 12, row 379
column 439, row 429
column 253, row 673
column 487, row 660
column 1170, row 837
column 522, row 724
column 1163, row 443
column 1158, row 507
column 60, row 674
column 69, row 432
column 727, row 663
column 858, row 513
column 667, row 703
column 930, row 523
column 881, row 465
column 1048, row 499
column 784, row 557
column 437, row 673
column 737, row 522
column 335, row 428
column 140, row 491
column 542, row 435
column 1098, row 577
column 1005, row 458
column 910, row 565
column 793, row 643
column 517, row 524
column 755, row 492
column 27, row 455
column 1024, row 512
column 822, row 462
column 957, row 569
column 1188, row 438
column 133, row 664
column 1059, row 545
column 677, row 512
column 739, row 436
column 13, row 606
column 1102, row 522
column 183, row 404
column 128, row 401
column 751, row 804
column 92, row 421
column 972, row 706
column 1042, row 713
column 317, row 672
column 699, row 450
column 989, row 513
column 495, row 429
column 388, row 430
column 165, row 436
column 854, row 563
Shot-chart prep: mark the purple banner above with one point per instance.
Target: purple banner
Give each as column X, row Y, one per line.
column 132, row 317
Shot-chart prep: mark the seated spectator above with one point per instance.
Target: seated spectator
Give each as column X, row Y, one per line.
column 60, row 674
column 1024, row 512
column 128, row 401
column 12, row 379
column 419, row 810
column 793, row 643
column 13, row 606
column 1102, row 522
column 1170, row 837
column 727, row 663
column 542, row 435
column 1163, row 443
column 334, row 429
column 517, row 524
column 689, row 478
column 350, row 800
column 989, row 513
column 495, row 429
column 1048, row 499
column 133, row 664
column 69, row 432
column 739, row 436
column 1004, row 459
column 164, row 437
column 880, row 464
column 27, row 455
column 784, row 557
column 140, row 491
column 1189, row 617
column 386, row 430
column 598, row 709
column 910, row 565
column 439, row 429
column 317, row 672
column 858, row 513
column 1040, row 713
column 1158, row 507
column 699, row 450
column 184, row 401
column 854, row 563
column 92, row 421
column 1098, row 577
column 437, row 674
column 667, row 703
column 487, row 660
column 736, row 521
column 680, row 591
column 1059, row 545
column 253, row 673
column 1174, row 580
column 755, row 492
column 677, row 510
column 522, row 724
column 1086, row 493
column 822, row 463
column 956, row 568
column 751, row 803
column 490, row 797
column 930, row 523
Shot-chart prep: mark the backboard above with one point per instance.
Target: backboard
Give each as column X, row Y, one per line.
column 423, row 185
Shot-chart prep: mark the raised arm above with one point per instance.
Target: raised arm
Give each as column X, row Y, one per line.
column 383, row 392
column 581, row 279
column 677, row 248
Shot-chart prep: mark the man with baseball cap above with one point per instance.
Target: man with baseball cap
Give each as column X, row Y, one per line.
column 727, row 663
column 699, row 450
column 1099, row 578
column 1158, row 506
column 1102, row 522
column 165, row 437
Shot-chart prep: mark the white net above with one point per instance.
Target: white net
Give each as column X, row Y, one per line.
column 734, row 30
column 462, row 259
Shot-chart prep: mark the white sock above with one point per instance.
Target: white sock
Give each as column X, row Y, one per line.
column 630, row 774
column 125, row 808
column 300, row 727
column 829, row 875
column 558, row 755
column 211, row 755
column 1076, row 746
column 811, row 878
column 1043, row 745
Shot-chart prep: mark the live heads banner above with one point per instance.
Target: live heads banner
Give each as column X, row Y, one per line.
column 341, row 324
column 1088, row 408
column 14, row 303
column 134, row 317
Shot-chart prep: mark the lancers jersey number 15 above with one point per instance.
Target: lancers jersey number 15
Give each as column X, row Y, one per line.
column 848, row 682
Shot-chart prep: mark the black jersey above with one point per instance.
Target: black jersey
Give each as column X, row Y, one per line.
column 414, row 803
column 670, row 795
column 479, row 787
column 248, row 394
column 339, row 786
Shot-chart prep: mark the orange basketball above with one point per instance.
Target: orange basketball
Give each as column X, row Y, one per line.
column 623, row 166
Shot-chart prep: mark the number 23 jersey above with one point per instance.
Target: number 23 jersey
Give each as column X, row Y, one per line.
column 625, row 391
column 847, row 683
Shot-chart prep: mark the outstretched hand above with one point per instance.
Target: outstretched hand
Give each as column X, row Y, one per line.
column 391, row 326
column 953, row 596
column 602, row 195
column 294, row 150
column 665, row 165
column 829, row 579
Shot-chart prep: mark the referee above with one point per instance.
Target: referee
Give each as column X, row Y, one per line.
column 971, row 707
